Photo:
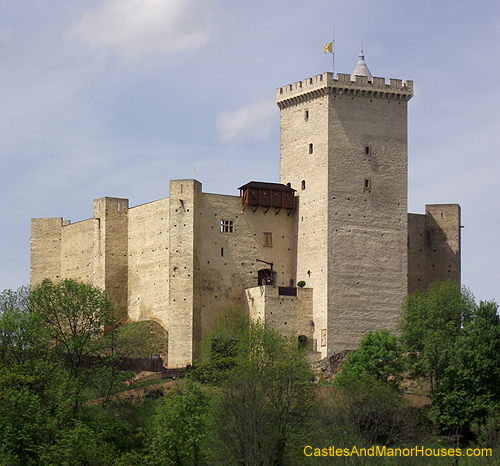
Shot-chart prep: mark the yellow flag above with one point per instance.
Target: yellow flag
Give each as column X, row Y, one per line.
column 328, row 47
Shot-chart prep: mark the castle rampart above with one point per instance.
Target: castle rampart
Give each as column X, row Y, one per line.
column 316, row 86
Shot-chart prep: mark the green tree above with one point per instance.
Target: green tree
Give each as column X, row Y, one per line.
column 78, row 318
column 265, row 402
column 378, row 356
column 76, row 314
column 430, row 324
column 21, row 336
column 364, row 412
column 28, row 379
column 218, row 353
column 470, row 386
column 181, row 427
column 45, row 382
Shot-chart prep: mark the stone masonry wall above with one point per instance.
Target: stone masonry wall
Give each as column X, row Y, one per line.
column 182, row 325
column 433, row 246
column 148, row 262
column 304, row 164
column 111, row 251
column 45, row 249
column 290, row 315
column 343, row 147
column 367, row 214
column 77, row 259
column 227, row 260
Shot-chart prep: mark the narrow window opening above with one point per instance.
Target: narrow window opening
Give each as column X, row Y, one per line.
column 303, row 184
column 367, row 150
column 311, row 148
column 222, row 252
column 118, row 206
column 306, row 115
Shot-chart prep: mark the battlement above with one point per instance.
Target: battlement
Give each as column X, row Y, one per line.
column 326, row 84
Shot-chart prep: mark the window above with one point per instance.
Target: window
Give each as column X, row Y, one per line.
column 303, row 185
column 368, row 150
column 306, row 115
column 268, row 240
column 367, row 184
column 226, row 226
column 311, row 148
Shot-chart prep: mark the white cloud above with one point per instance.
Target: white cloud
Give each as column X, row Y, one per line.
column 137, row 27
column 247, row 124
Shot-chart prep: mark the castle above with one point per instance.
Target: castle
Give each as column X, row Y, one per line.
column 337, row 221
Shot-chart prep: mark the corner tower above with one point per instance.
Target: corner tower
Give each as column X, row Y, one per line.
column 344, row 149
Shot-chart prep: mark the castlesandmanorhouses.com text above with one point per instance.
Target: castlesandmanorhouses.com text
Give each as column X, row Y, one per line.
column 384, row 451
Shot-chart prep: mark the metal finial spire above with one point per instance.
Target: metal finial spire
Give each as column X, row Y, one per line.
column 361, row 68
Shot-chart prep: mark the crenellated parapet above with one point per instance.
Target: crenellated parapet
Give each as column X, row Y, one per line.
column 325, row 83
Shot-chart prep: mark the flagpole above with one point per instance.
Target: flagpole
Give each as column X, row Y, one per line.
column 333, row 51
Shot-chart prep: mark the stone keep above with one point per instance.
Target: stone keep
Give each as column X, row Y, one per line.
column 344, row 149
column 185, row 260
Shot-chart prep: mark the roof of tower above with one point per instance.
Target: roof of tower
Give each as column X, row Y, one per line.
column 361, row 68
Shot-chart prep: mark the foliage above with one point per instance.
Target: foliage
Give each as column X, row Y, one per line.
column 265, row 401
column 141, row 339
column 77, row 445
column 470, row 387
column 218, row 352
column 263, row 407
column 430, row 324
column 378, row 356
column 456, row 343
column 362, row 411
column 76, row 314
column 488, row 432
column 181, row 426
column 44, row 383
column 20, row 332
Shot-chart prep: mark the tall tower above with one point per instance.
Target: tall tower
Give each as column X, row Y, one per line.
column 344, row 149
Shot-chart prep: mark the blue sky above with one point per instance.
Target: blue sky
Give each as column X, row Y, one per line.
column 116, row 97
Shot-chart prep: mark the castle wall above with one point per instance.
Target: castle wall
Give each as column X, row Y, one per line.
column 148, row 262
column 111, row 251
column 77, row 258
column 434, row 246
column 227, row 260
column 416, row 253
column 45, row 249
column 290, row 315
column 183, row 318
